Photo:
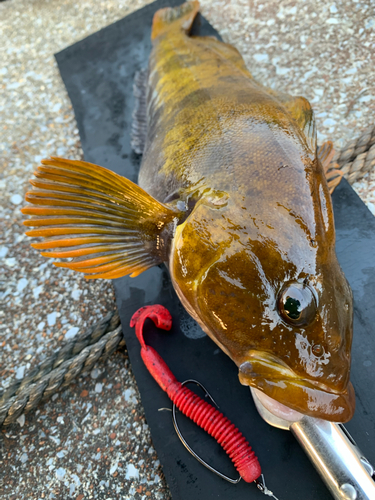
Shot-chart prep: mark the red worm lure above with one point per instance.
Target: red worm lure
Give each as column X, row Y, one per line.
column 190, row 404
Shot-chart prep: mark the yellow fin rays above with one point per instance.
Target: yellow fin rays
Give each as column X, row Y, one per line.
column 106, row 224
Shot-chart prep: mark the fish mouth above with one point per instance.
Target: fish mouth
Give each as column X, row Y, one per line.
column 268, row 374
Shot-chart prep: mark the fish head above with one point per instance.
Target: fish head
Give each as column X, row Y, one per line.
column 276, row 301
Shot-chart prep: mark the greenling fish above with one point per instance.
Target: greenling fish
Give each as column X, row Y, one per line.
column 233, row 197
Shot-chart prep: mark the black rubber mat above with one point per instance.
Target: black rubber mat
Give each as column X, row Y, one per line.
column 98, row 73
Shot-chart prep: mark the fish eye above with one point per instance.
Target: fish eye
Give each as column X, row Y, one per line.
column 296, row 304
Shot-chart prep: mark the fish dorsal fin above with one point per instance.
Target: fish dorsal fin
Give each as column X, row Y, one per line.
column 139, row 117
column 302, row 112
column 326, row 153
column 106, row 224
column 228, row 52
column 331, row 169
column 170, row 18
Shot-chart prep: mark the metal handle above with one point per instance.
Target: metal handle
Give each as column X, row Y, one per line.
column 336, row 459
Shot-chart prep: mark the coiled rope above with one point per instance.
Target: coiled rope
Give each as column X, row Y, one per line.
column 358, row 156
column 58, row 370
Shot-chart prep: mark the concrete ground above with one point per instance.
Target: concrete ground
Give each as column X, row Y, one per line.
column 92, row 440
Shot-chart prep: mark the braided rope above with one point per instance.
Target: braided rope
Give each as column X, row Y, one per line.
column 75, row 346
column 58, row 371
column 358, row 156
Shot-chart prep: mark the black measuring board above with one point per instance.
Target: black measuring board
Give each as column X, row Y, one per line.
column 98, row 73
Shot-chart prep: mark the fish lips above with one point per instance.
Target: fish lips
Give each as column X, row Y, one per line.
column 268, row 374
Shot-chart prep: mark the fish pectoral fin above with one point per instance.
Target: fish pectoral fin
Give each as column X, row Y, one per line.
column 302, row 112
column 106, row 224
column 169, row 18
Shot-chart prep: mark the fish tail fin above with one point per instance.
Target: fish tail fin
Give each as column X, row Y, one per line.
column 107, row 225
column 181, row 17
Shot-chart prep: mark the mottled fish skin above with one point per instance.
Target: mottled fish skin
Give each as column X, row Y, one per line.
column 232, row 195
column 243, row 158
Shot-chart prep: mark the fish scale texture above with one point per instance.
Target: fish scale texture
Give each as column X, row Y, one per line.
column 322, row 50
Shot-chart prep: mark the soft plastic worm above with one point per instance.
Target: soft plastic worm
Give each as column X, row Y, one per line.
column 190, row 404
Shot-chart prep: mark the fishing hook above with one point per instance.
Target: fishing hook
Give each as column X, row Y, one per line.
column 197, row 409
column 184, row 442
column 261, row 485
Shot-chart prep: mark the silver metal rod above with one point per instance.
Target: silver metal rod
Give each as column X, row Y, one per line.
column 344, row 469
column 335, row 458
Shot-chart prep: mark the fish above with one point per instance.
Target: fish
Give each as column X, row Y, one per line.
column 232, row 196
